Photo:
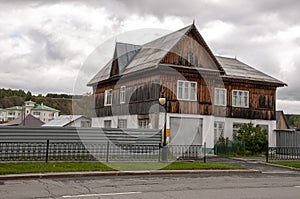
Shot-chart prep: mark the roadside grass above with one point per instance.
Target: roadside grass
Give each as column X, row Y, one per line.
column 41, row 167
column 295, row 164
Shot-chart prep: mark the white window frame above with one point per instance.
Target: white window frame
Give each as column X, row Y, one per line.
column 144, row 123
column 218, row 98
column 186, row 90
column 122, row 123
column 106, row 97
column 122, row 94
column 105, row 123
column 239, row 101
column 219, row 128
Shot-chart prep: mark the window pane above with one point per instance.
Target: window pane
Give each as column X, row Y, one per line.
column 122, row 94
column 180, row 90
column 186, row 90
column 193, row 91
column 234, row 96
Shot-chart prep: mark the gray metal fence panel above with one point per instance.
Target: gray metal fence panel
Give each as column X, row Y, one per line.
column 85, row 135
column 287, row 138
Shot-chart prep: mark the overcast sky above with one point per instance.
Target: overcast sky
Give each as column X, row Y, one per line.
column 44, row 45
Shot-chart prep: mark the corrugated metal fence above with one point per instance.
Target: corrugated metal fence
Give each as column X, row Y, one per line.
column 287, row 146
column 287, row 138
column 87, row 144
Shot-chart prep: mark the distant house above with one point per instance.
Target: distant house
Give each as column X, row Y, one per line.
column 2, row 115
column 40, row 111
column 281, row 121
column 70, row 121
column 13, row 113
column 29, row 121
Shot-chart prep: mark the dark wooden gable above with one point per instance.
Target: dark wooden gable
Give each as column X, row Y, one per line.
column 115, row 64
column 192, row 50
column 123, row 55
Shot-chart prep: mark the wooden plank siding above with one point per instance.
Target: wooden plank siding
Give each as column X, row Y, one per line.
column 142, row 93
column 262, row 101
column 190, row 51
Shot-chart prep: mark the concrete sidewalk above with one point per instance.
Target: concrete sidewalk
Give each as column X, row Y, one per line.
column 122, row 173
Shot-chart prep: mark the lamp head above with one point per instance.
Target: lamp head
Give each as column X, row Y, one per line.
column 162, row 100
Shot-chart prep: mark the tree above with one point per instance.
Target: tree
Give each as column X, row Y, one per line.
column 254, row 137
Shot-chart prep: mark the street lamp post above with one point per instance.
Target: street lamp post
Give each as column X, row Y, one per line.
column 163, row 102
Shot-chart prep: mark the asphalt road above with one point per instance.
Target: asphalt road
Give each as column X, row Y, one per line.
column 273, row 186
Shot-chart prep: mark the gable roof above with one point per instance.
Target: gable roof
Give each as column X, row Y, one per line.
column 29, row 120
column 132, row 58
column 234, row 68
column 42, row 107
column 280, row 117
column 15, row 108
column 64, row 120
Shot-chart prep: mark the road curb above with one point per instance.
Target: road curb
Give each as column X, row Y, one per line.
column 122, row 173
column 281, row 166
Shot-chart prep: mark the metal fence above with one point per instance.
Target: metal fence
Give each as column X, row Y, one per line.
column 287, row 146
column 108, row 152
column 229, row 147
column 283, row 153
column 287, row 138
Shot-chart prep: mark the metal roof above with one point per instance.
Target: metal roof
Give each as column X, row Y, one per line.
column 234, row 68
column 64, row 120
column 15, row 108
column 29, row 120
column 42, row 107
column 132, row 58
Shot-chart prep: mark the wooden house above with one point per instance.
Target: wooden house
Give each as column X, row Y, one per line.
column 207, row 96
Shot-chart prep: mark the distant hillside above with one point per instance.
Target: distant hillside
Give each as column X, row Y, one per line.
column 293, row 120
column 62, row 102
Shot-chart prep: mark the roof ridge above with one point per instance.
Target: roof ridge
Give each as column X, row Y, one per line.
column 174, row 32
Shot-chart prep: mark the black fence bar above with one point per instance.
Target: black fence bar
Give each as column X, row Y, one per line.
column 47, row 151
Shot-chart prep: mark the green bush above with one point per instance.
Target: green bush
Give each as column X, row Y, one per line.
column 254, row 137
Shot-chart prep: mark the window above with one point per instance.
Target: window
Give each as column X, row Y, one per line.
column 36, row 113
column 108, row 98
column 236, row 127
column 107, row 123
column 218, row 130
column 143, row 123
column 122, row 123
column 240, row 98
column 186, row 90
column 85, row 124
column 264, row 127
column 220, row 96
column 122, row 94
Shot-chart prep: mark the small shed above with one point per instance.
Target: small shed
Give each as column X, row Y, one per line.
column 29, row 121
column 70, row 121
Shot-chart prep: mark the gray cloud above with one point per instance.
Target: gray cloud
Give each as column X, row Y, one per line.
column 44, row 43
